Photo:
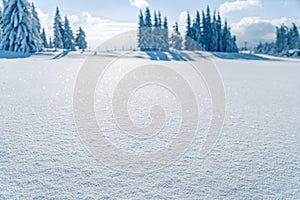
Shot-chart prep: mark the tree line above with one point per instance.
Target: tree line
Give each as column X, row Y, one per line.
column 203, row 33
column 21, row 30
column 286, row 43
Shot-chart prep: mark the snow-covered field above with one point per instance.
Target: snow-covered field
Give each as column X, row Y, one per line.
column 257, row 156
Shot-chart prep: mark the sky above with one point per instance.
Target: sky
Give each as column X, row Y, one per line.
column 250, row 20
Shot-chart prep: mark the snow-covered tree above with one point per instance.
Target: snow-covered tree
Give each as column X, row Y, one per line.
column 141, row 32
column 188, row 34
column 208, row 30
column 36, row 28
column 17, row 30
column 58, row 31
column 282, row 39
column 165, row 36
column 80, row 39
column 219, row 33
column 44, row 39
column 295, row 39
column 176, row 39
column 214, row 38
column 226, row 38
column 50, row 44
column 148, row 30
column 68, row 36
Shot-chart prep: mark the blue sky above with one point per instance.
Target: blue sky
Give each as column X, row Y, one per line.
column 251, row 20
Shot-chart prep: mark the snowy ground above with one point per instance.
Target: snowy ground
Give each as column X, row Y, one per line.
column 256, row 157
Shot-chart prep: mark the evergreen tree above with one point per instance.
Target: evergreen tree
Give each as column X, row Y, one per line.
column 148, row 30
column 295, row 40
column 58, row 31
column 234, row 47
column 156, row 36
column 219, row 33
column 208, row 30
column 68, row 36
column 165, row 36
column 50, row 45
column 203, row 32
column 36, row 28
column 17, row 32
column 188, row 34
column 198, row 30
column 176, row 39
column 226, row 39
column 80, row 39
column 141, row 33
column 214, row 38
column 282, row 39
column 44, row 39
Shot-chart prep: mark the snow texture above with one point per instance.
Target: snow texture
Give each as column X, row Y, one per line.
column 256, row 157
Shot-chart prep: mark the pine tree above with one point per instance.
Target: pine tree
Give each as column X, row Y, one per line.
column 295, row 40
column 17, row 27
column 141, row 33
column 165, row 36
column 219, row 33
column 68, row 36
column 203, row 32
column 50, row 45
column 148, row 30
column 58, row 31
column 226, row 38
column 44, row 39
column 188, row 34
column 208, row 30
column 80, row 39
column 176, row 39
column 214, row 38
column 282, row 39
column 36, row 28
column 198, row 30
column 157, row 37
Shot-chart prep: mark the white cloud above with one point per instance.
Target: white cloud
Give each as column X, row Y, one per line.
column 239, row 5
column 98, row 30
column 139, row 3
column 255, row 29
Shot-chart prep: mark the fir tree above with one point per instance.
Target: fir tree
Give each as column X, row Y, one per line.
column 165, row 36
column 68, row 36
column 50, row 45
column 219, row 33
column 148, row 30
column 44, row 39
column 157, row 37
column 176, row 39
column 36, row 29
column 58, row 31
column 295, row 40
column 17, row 29
column 198, row 30
column 208, row 31
column 214, row 38
column 188, row 34
column 141, row 33
column 80, row 39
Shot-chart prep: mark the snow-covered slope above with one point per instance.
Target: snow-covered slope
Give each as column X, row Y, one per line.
column 257, row 155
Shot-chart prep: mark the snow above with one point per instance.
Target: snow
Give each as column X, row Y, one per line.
column 256, row 157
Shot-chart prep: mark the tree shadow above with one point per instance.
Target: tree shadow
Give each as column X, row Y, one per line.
column 13, row 55
column 241, row 56
column 158, row 55
column 168, row 56
column 61, row 55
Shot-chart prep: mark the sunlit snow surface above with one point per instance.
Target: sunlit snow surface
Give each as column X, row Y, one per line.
column 257, row 155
